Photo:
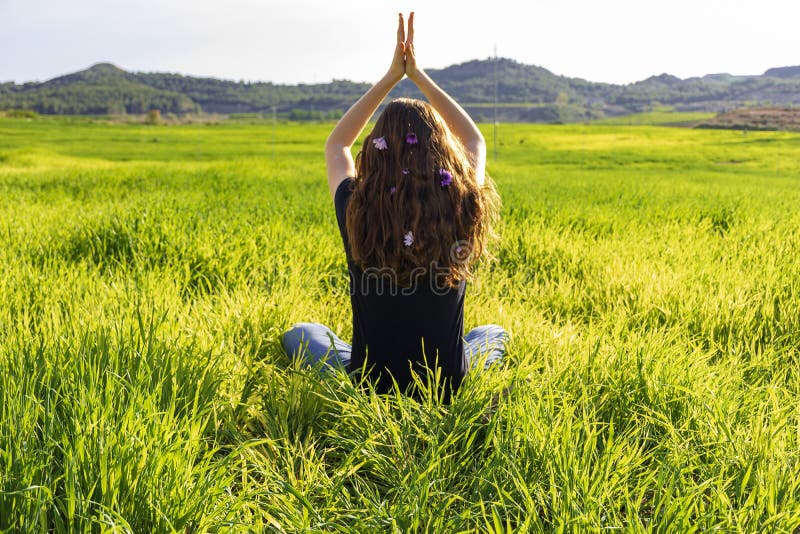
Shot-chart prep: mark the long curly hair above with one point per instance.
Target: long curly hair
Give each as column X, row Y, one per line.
column 416, row 204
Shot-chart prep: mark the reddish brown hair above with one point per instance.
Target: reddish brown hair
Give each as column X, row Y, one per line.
column 400, row 189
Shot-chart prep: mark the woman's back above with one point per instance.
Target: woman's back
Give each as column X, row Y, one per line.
column 399, row 327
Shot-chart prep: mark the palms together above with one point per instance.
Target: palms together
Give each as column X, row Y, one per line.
column 404, row 61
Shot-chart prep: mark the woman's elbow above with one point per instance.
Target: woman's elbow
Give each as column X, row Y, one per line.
column 477, row 145
column 335, row 142
column 329, row 143
column 332, row 147
column 477, row 149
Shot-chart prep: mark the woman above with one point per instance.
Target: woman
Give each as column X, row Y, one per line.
column 414, row 210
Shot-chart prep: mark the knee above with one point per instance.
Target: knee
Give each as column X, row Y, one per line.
column 293, row 337
column 497, row 331
column 492, row 333
column 299, row 327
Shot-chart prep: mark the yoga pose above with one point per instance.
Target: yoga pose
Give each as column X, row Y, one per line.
column 414, row 209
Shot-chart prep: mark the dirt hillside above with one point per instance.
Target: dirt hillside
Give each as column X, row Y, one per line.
column 787, row 119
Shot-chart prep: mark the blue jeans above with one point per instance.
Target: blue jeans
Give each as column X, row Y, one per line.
column 315, row 343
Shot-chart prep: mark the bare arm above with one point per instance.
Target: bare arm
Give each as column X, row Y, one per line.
column 454, row 115
column 338, row 158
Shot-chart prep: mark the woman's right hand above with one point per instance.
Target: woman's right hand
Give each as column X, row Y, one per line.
column 411, row 59
column 397, row 69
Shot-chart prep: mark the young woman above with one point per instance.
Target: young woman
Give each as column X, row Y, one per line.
column 414, row 210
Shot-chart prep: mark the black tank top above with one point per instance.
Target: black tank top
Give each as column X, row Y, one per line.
column 397, row 329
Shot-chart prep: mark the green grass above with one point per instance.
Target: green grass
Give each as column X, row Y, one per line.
column 649, row 278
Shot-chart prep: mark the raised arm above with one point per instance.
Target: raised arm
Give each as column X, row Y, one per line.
column 454, row 115
column 338, row 158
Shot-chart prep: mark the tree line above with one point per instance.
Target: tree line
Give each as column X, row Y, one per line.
column 526, row 92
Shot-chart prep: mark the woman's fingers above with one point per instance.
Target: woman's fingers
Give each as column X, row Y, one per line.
column 401, row 32
column 410, row 39
column 411, row 59
column 398, row 67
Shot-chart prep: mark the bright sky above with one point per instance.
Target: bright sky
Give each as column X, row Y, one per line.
column 292, row 41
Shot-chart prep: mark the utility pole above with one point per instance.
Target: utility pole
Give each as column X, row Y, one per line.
column 494, row 131
column 274, row 126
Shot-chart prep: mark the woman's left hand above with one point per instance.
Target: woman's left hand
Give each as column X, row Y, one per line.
column 398, row 68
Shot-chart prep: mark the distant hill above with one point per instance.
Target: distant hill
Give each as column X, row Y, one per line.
column 525, row 93
column 784, row 72
column 100, row 90
column 786, row 119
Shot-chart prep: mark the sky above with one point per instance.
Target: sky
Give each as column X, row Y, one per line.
column 315, row 41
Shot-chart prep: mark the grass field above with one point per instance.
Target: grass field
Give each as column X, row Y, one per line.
column 649, row 278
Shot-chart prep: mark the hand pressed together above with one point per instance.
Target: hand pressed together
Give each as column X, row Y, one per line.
column 404, row 61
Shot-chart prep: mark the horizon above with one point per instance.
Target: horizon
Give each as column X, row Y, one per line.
column 324, row 82
column 619, row 42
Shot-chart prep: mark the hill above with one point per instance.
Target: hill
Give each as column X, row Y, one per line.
column 102, row 89
column 784, row 72
column 786, row 119
column 526, row 93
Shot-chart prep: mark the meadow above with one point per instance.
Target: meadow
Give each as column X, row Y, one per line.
column 649, row 278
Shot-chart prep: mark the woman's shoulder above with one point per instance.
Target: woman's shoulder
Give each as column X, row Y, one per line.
column 343, row 190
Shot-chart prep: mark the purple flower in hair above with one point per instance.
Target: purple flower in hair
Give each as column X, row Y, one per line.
column 447, row 178
column 411, row 138
column 408, row 239
column 405, row 172
column 393, row 190
column 380, row 143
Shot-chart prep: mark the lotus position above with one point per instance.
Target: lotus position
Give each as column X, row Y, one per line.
column 414, row 209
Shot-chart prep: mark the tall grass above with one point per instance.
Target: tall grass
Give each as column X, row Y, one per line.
column 649, row 278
